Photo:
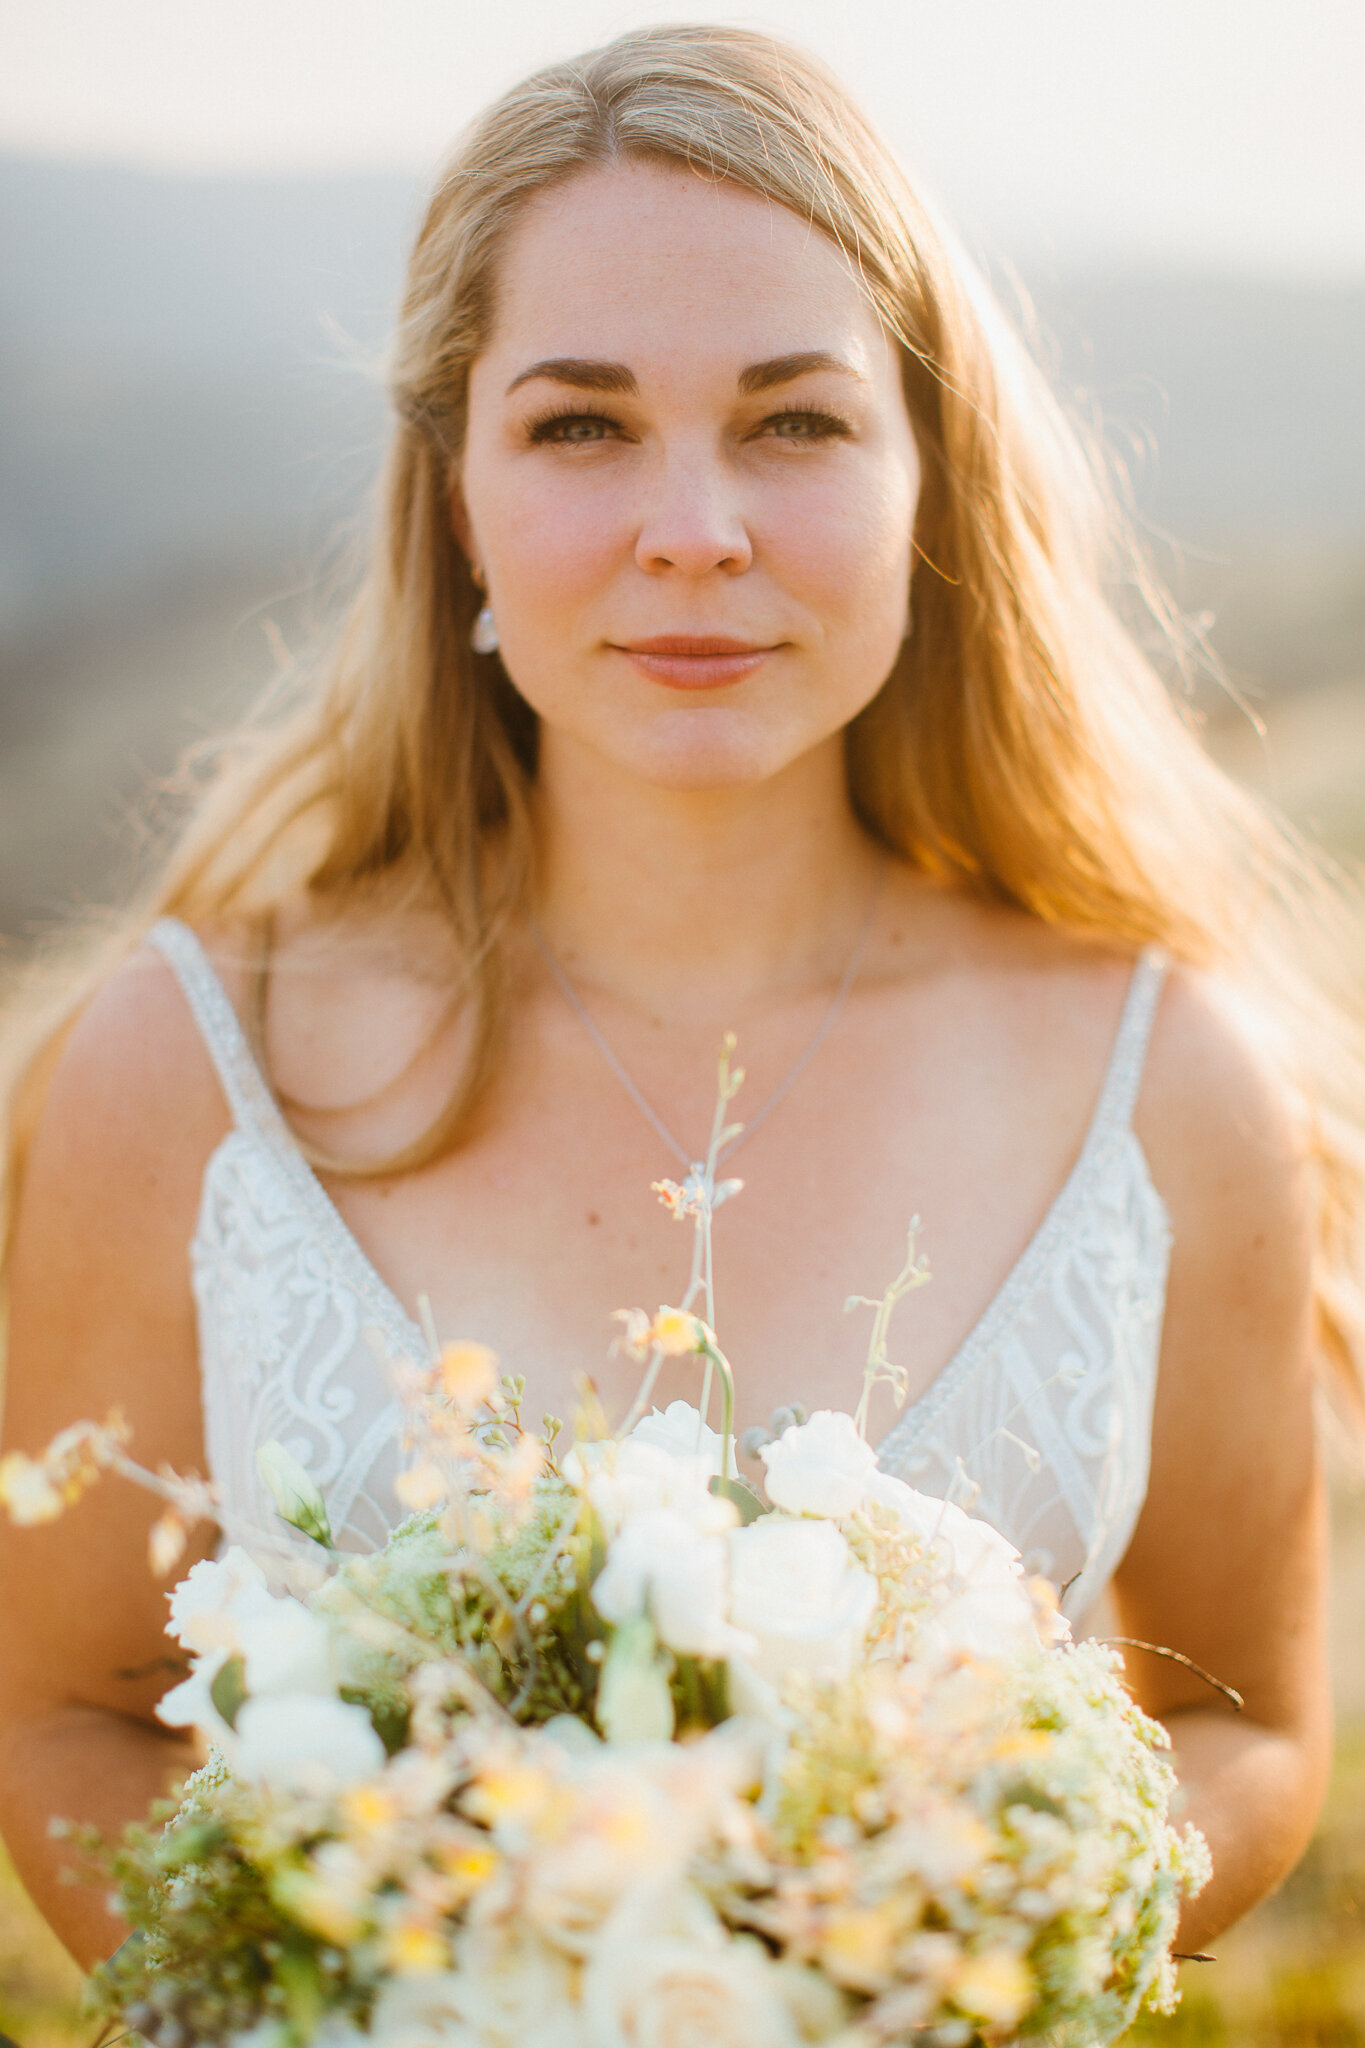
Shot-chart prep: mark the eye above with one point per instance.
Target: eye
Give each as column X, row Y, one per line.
column 807, row 423
column 571, row 429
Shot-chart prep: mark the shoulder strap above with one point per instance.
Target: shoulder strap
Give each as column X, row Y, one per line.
column 1119, row 1094
column 253, row 1106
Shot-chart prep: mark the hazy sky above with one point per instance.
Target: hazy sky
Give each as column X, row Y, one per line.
column 1223, row 132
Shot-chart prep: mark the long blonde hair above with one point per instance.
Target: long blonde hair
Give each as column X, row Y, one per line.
column 1022, row 746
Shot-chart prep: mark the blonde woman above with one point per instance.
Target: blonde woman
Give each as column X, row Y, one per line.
column 733, row 655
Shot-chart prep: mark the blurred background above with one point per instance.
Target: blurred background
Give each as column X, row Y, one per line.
column 204, row 214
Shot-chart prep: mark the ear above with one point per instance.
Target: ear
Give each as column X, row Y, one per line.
column 460, row 524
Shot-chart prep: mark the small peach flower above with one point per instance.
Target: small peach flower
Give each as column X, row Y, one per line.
column 421, row 1486
column 676, row 1333
column 469, row 1374
column 27, row 1492
column 166, row 1543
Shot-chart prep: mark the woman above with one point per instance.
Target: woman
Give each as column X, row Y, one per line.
column 733, row 655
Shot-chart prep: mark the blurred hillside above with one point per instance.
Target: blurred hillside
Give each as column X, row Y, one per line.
column 190, row 415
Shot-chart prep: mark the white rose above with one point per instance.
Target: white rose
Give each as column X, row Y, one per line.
column 206, row 1605
column 420, row 2011
column 626, row 1831
column 665, row 1974
column 632, row 1476
column 679, row 1430
column 819, row 1467
column 304, row 1742
column 286, row 1649
column 660, row 1565
column 514, row 1990
column 795, row 1586
column 984, row 1608
column 190, row 1704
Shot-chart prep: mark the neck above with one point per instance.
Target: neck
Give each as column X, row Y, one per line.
column 680, row 899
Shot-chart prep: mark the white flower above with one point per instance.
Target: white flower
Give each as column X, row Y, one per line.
column 302, row 1742
column 286, row 1649
column 984, row 1606
column 420, row 2012
column 819, row 1467
column 623, row 1478
column 297, row 1499
column 661, row 1565
column 628, row 1829
column 190, row 1704
column 795, row 1586
column 680, row 1430
column 665, row 1974
column 513, row 1990
column 205, row 1606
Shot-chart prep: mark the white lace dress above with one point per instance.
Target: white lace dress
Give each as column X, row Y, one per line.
column 1046, row 1408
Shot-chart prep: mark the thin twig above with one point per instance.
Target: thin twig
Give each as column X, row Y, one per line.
column 1229, row 1692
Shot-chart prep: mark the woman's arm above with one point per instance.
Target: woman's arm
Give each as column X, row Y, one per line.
column 101, row 1316
column 1228, row 1563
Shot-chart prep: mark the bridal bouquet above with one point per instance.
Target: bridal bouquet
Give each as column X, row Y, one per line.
column 606, row 1748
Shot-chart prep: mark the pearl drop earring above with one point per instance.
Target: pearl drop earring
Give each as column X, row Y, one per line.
column 483, row 637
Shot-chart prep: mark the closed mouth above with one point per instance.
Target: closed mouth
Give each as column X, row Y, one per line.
column 696, row 661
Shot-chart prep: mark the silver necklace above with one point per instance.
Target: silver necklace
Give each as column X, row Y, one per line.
column 694, row 1166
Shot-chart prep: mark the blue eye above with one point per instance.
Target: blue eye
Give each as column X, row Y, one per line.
column 572, row 429
column 804, row 423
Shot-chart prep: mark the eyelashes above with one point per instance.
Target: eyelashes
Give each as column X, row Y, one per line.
column 554, row 428
column 547, row 425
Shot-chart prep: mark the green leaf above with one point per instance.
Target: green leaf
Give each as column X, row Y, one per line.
column 192, row 1841
column 300, row 1980
column 228, row 1690
column 746, row 1498
column 634, row 1703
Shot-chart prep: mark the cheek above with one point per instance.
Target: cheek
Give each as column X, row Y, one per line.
column 848, row 554
column 548, row 546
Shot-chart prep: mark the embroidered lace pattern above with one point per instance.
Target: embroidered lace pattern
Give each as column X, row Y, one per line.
column 1046, row 1408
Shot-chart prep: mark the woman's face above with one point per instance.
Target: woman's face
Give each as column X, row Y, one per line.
column 689, row 479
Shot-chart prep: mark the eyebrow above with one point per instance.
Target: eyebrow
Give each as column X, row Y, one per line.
column 586, row 375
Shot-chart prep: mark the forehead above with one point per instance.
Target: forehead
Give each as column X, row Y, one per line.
column 627, row 259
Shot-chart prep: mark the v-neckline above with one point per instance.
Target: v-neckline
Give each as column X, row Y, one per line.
column 401, row 1330
column 258, row 1120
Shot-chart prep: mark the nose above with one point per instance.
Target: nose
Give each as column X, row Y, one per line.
column 694, row 523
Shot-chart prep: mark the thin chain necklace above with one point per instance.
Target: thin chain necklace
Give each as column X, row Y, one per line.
column 783, row 1088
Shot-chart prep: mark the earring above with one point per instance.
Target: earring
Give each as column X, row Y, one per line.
column 483, row 637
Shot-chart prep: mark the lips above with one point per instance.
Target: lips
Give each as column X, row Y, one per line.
column 695, row 661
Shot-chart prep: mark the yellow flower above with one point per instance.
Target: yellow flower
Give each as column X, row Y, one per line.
column 675, row 1332
column 411, row 1947
column 468, row 1865
column 317, row 1905
column 469, row 1374
column 368, row 1809
column 995, row 1987
column 856, row 1947
column 509, row 1792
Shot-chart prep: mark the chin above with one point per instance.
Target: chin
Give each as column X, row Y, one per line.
column 711, row 748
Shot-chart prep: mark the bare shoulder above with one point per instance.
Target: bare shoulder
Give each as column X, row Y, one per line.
column 101, row 1315
column 134, row 1103
column 100, row 1302
column 1219, row 1125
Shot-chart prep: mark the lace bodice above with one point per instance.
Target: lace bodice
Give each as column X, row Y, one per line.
column 1046, row 1408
